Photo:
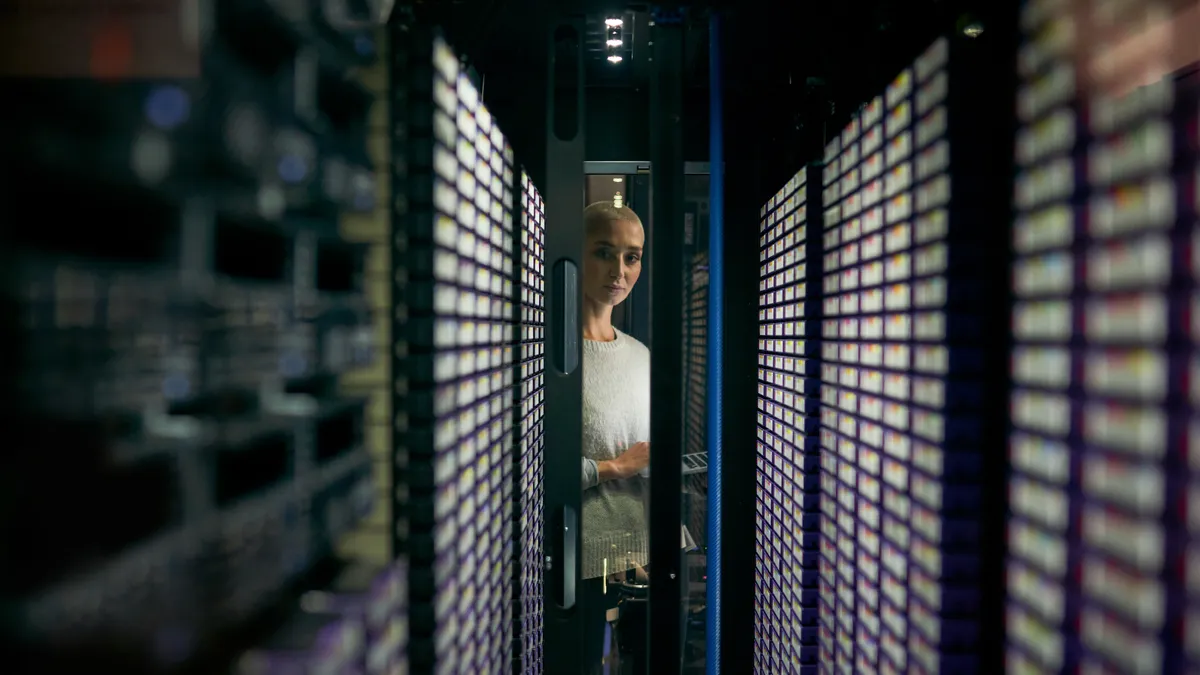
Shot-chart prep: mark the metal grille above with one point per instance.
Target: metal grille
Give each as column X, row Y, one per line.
column 695, row 349
column 901, row 390
column 454, row 410
column 786, row 532
column 531, row 406
column 1103, row 447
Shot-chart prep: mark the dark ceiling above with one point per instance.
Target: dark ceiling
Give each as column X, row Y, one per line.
column 807, row 63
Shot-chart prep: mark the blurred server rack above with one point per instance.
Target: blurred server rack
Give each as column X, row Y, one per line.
column 1103, row 390
column 184, row 350
column 695, row 459
column 456, row 333
column 910, row 291
column 531, row 406
column 787, row 493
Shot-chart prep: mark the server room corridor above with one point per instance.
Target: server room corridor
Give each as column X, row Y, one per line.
column 362, row 337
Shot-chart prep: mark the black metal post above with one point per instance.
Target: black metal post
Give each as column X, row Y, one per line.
column 743, row 197
column 666, row 341
column 564, row 372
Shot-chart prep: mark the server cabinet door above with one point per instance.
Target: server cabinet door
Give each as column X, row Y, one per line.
column 454, row 245
column 563, row 373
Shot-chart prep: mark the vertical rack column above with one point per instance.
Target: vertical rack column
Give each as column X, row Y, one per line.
column 666, row 340
column 455, row 337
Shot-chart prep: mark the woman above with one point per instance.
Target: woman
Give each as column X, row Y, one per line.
column 616, row 416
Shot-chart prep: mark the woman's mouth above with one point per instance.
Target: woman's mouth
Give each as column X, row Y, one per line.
column 615, row 289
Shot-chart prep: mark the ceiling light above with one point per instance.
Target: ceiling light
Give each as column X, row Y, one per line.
column 615, row 42
column 613, row 23
column 618, row 180
column 615, row 59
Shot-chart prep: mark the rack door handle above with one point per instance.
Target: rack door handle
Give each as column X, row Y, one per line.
column 564, row 333
column 564, row 554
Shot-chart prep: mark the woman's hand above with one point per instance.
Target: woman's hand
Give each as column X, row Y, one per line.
column 633, row 460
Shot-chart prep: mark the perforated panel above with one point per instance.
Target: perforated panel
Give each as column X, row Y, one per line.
column 901, row 389
column 1101, row 406
column 695, row 431
column 531, row 407
column 457, row 368
column 785, row 591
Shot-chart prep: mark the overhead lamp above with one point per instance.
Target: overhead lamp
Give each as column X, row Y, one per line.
column 614, row 37
column 614, row 23
column 615, row 59
column 618, row 179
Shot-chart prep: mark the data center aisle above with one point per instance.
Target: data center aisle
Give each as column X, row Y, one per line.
column 913, row 318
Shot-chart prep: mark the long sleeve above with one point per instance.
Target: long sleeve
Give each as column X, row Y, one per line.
column 591, row 473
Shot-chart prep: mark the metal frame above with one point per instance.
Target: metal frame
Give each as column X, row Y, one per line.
column 715, row 378
column 564, row 428
column 666, row 336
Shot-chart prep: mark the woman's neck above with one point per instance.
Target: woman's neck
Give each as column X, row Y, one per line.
column 597, row 322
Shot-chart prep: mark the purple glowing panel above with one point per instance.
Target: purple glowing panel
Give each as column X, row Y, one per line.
column 462, row 366
column 788, row 473
column 1103, row 286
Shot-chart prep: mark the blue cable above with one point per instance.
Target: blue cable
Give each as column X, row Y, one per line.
column 716, row 315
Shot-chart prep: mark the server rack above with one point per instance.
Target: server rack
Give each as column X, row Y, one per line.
column 212, row 463
column 695, row 449
column 914, row 288
column 1104, row 394
column 788, row 490
column 457, row 337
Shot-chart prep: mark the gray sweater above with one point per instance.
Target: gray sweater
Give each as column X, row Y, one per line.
column 616, row 415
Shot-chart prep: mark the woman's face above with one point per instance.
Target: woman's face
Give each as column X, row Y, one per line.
column 612, row 261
